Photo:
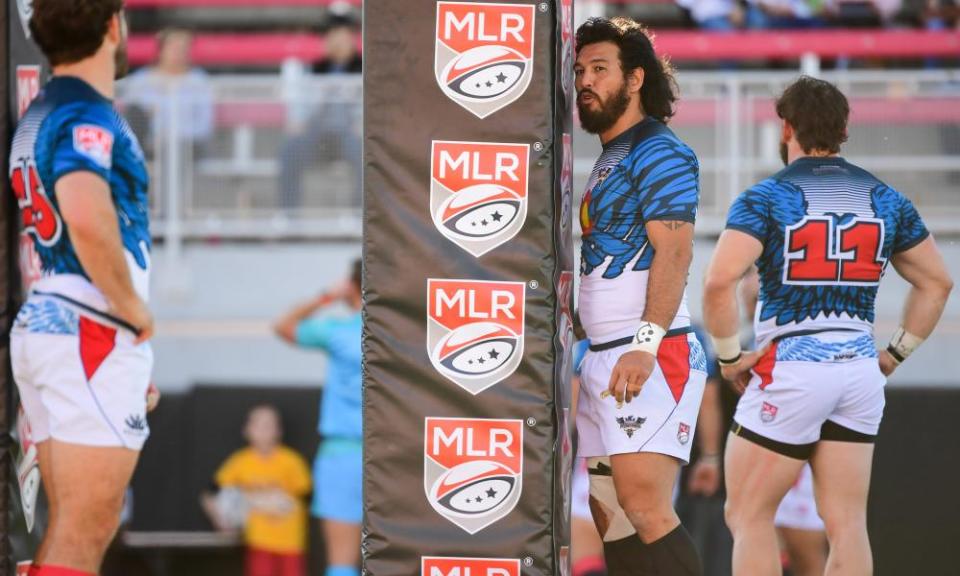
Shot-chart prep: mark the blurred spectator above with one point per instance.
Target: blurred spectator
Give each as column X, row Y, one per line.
column 338, row 467
column 170, row 92
column 261, row 487
column 340, row 42
column 332, row 130
column 785, row 14
column 715, row 15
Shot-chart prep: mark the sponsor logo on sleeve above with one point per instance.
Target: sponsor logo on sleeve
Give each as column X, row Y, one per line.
column 94, row 142
column 475, row 330
column 484, row 53
column 478, row 192
column 473, row 469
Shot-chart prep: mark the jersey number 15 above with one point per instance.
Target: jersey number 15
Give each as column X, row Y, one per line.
column 818, row 251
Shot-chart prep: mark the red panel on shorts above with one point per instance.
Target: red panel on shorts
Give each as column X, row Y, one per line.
column 96, row 343
column 674, row 359
column 764, row 368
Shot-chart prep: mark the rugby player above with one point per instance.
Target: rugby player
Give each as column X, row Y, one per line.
column 79, row 347
column 821, row 232
column 643, row 376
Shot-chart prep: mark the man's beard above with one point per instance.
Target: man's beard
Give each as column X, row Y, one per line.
column 783, row 153
column 599, row 121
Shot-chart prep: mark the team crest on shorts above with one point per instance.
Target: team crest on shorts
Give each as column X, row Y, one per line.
column 484, row 53
column 439, row 566
column 683, row 433
column 475, row 330
column 478, row 192
column 768, row 412
column 473, row 469
column 630, row 424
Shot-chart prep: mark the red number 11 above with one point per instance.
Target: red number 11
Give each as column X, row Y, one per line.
column 812, row 256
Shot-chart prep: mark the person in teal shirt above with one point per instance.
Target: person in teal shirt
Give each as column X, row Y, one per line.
column 338, row 466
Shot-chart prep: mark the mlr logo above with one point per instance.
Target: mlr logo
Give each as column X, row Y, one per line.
column 438, row 566
column 475, row 330
column 484, row 53
column 28, row 86
column 478, row 192
column 473, row 469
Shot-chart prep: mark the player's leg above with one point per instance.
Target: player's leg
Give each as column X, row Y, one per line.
column 586, row 547
column 53, row 505
column 342, row 541
column 800, row 528
column 756, row 479
column 843, row 461
column 807, row 550
column 644, row 483
column 338, row 503
column 841, row 472
column 89, row 484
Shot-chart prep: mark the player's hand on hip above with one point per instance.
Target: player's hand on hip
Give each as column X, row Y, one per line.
column 629, row 375
column 739, row 374
column 137, row 315
column 887, row 363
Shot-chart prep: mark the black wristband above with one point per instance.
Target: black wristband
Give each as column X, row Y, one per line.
column 730, row 361
column 896, row 355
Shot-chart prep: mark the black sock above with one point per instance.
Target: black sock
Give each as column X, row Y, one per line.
column 628, row 557
column 675, row 554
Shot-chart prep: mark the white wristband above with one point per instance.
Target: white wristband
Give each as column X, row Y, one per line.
column 903, row 344
column 648, row 338
column 727, row 349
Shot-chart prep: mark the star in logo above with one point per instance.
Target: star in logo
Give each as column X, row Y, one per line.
column 494, row 354
column 501, row 78
column 492, row 493
column 497, row 216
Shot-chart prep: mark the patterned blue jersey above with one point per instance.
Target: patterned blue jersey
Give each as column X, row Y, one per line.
column 71, row 127
column 828, row 230
column 644, row 174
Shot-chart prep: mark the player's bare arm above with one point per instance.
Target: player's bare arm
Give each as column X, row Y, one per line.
column 930, row 286
column 733, row 258
column 91, row 218
column 672, row 241
column 286, row 326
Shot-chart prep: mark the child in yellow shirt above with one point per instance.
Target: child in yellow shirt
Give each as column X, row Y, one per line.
column 274, row 480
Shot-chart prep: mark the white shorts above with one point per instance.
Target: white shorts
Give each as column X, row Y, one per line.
column 798, row 510
column 827, row 385
column 662, row 419
column 81, row 380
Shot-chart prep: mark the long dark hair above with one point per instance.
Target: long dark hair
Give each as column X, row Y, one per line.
column 659, row 91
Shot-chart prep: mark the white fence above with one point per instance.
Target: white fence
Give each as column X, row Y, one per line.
column 266, row 157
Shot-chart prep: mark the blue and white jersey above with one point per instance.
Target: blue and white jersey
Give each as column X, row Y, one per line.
column 828, row 230
column 71, row 127
column 644, row 174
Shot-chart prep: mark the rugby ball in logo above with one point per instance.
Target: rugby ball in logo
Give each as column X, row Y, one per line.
column 480, row 210
column 484, row 72
column 477, row 349
column 474, row 487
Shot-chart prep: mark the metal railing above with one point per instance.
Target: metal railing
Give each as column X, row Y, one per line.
column 278, row 156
